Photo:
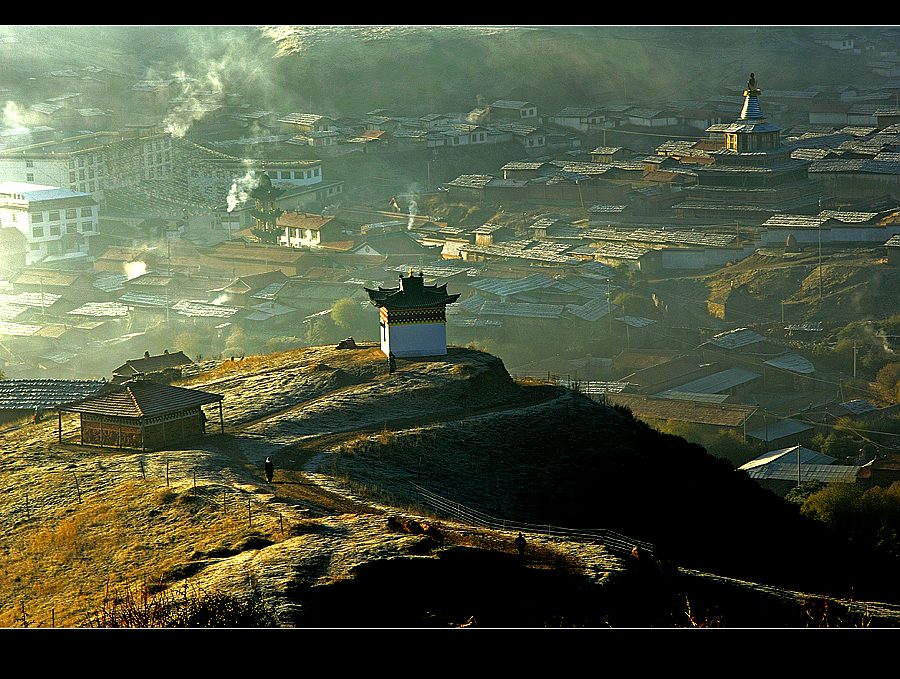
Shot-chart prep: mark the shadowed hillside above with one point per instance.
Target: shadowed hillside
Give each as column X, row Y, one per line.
column 340, row 538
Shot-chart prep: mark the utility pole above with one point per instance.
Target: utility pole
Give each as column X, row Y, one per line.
column 854, row 360
column 608, row 307
column 820, row 259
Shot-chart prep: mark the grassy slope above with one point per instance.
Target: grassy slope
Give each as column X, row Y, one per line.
column 569, row 461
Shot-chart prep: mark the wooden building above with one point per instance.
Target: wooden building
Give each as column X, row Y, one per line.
column 164, row 364
column 142, row 414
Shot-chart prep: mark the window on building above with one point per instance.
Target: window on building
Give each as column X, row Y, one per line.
column 71, row 163
column 72, row 228
column 90, row 160
column 29, row 177
column 531, row 142
column 81, row 175
column 91, row 173
column 37, row 217
column 87, row 212
column 29, row 163
column 285, row 174
column 81, row 162
column 81, row 187
column 71, row 176
column 316, row 172
column 37, row 231
column 87, row 227
column 70, row 213
column 54, row 230
column 54, row 215
column 92, row 187
column 456, row 140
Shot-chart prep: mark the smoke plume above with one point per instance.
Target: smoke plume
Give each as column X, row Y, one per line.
column 413, row 211
column 134, row 269
column 240, row 190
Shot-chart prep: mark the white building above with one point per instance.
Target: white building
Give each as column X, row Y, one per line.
column 91, row 163
column 55, row 222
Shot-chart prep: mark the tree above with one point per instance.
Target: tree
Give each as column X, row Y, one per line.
column 350, row 316
column 888, row 381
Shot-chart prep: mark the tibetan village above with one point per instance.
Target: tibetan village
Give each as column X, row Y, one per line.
column 351, row 309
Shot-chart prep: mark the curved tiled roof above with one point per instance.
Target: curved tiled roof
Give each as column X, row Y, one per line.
column 411, row 293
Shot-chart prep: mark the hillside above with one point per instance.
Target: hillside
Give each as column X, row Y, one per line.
column 324, row 545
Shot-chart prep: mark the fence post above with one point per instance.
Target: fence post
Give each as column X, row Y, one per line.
column 143, row 475
column 167, row 472
column 281, row 522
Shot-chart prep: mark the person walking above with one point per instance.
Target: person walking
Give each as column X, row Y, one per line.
column 270, row 470
column 520, row 544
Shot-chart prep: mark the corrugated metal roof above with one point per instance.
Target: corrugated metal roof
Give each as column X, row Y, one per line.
column 596, row 270
column 793, row 362
column 848, row 217
column 590, row 311
column 718, row 382
column 302, row 118
column 858, row 406
column 110, row 282
column 522, row 165
column 636, row 321
column 10, row 312
column 196, row 308
column 31, row 299
column 506, row 103
column 621, row 251
column 779, row 429
column 685, row 411
column 824, row 473
column 39, row 192
column 471, row 181
column 17, row 329
column 593, row 387
column 143, row 399
column 690, row 396
column 104, row 309
column 143, row 299
column 474, row 322
column 789, row 455
column 739, row 337
column 794, row 221
column 504, row 287
column 29, row 394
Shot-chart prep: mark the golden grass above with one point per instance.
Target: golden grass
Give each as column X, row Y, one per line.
column 61, row 568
